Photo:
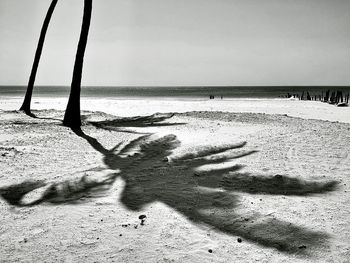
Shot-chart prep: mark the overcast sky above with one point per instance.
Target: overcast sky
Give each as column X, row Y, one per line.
column 181, row 42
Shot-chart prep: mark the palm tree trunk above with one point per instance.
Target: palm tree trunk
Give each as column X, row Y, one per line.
column 72, row 114
column 28, row 97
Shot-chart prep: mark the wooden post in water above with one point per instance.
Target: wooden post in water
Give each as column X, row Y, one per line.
column 327, row 96
column 332, row 97
column 337, row 97
column 308, row 97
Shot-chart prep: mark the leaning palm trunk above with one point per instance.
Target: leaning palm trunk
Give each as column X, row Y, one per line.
column 28, row 97
column 72, row 114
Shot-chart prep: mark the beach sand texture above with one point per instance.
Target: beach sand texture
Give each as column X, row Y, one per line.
column 213, row 185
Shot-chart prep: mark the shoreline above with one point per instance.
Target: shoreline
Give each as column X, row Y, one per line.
column 138, row 107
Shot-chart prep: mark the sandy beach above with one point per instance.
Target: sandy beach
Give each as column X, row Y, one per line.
column 174, row 131
column 175, row 181
column 149, row 106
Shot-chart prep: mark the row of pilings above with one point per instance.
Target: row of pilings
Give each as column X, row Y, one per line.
column 332, row 97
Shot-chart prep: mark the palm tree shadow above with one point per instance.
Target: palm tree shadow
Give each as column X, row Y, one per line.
column 122, row 124
column 119, row 124
column 69, row 191
column 210, row 196
column 185, row 183
column 30, row 114
column 35, row 116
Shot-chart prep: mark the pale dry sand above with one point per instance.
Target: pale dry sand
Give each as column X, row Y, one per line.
column 135, row 107
column 204, row 180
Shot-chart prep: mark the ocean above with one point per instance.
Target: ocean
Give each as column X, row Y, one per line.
column 254, row 92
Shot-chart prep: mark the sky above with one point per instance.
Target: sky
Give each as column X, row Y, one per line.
column 181, row 42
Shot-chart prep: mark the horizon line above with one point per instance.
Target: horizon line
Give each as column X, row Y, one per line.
column 178, row 86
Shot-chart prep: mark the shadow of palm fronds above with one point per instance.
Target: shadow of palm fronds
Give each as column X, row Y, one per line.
column 210, row 196
column 14, row 194
column 155, row 120
column 116, row 124
column 202, row 185
column 80, row 190
column 69, row 191
column 275, row 185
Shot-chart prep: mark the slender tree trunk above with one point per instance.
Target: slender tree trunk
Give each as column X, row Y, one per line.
column 28, row 97
column 72, row 114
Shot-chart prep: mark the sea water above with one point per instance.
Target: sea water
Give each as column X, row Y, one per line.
column 197, row 92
